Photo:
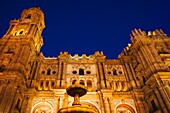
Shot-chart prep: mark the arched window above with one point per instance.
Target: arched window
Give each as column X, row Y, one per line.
column 74, row 81
column 42, row 108
column 47, row 83
column 81, row 71
column 89, row 85
column 124, row 108
column 114, row 72
column 92, row 106
column 124, row 88
column 118, row 86
column 41, row 84
column 52, row 84
column 82, row 82
column 48, row 71
column 28, row 16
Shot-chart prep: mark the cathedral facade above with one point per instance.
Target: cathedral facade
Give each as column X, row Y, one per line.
column 138, row 81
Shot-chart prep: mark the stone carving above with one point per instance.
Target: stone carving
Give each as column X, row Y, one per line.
column 114, row 69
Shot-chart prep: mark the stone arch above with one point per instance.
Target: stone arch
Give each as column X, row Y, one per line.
column 42, row 107
column 124, row 108
column 94, row 105
column 90, row 78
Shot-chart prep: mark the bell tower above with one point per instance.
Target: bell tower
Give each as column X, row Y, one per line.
column 18, row 49
column 22, row 40
column 29, row 26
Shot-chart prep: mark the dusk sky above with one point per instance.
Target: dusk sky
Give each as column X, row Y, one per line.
column 85, row 26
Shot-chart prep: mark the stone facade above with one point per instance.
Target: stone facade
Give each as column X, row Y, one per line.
column 138, row 81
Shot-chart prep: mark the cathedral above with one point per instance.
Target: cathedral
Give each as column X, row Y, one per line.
column 138, row 81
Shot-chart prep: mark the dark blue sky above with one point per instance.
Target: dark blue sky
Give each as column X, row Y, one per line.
column 86, row 26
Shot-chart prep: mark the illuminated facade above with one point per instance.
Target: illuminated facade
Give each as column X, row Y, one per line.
column 137, row 82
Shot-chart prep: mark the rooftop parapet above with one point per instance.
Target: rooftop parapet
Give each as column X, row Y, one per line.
column 138, row 33
column 66, row 55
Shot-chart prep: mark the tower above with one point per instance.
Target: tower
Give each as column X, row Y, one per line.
column 19, row 46
column 147, row 68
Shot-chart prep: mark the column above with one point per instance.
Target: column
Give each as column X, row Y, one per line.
column 64, row 73
column 10, row 101
column 161, row 103
column 114, row 84
column 130, row 75
column 141, row 107
column 101, row 75
column 57, row 103
column 65, row 99
column 146, row 106
column 60, row 102
column 59, row 73
column 105, row 76
column 120, row 85
column 5, row 99
column 101, row 101
column 29, row 104
column 165, row 98
column 167, row 88
column 106, row 105
column 111, row 105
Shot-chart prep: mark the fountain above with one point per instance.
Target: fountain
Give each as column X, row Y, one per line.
column 77, row 90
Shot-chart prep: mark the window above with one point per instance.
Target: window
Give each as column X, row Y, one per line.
column 143, row 79
column 88, row 72
column 120, row 72
column 2, row 68
column 74, row 81
column 82, row 82
column 89, row 85
column 74, row 72
column 43, row 72
column 52, row 85
column 28, row 16
column 18, row 105
column 48, row 71
column 114, row 72
column 109, row 72
column 81, row 71
column 47, row 83
column 41, row 84
column 54, row 72
column 20, row 32
column 153, row 106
